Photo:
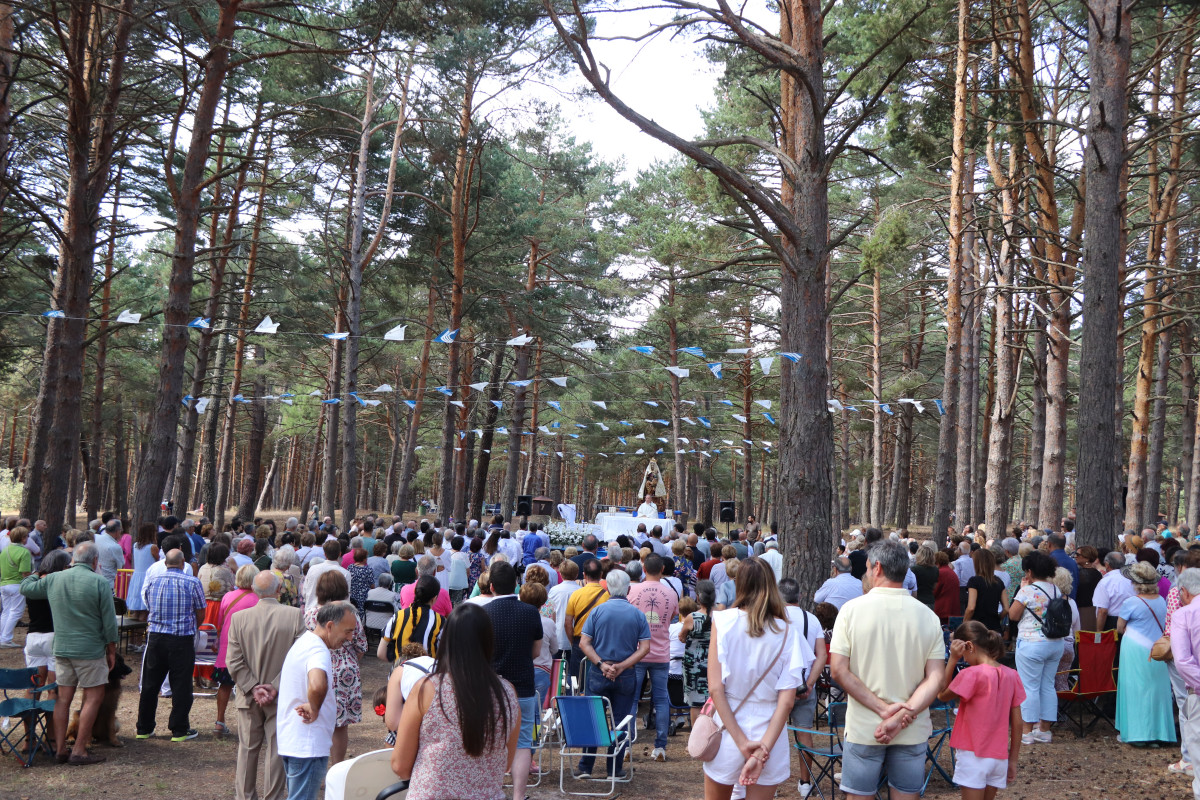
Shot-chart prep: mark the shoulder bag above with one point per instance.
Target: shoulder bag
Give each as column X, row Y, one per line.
column 1161, row 649
column 705, row 739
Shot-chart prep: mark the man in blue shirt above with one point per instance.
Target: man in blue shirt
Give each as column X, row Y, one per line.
column 615, row 637
column 1058, row 551
column 176, row 604
column 841, row 587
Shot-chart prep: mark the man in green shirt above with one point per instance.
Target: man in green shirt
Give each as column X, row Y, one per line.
column 15, row 563
column 85, row 644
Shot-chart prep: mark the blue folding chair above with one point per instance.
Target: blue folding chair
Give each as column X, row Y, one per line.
column 941, row 714
column 587, row 722
column 31, row 733
column 824, row 756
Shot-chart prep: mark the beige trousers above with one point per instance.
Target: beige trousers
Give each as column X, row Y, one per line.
column 256, row 742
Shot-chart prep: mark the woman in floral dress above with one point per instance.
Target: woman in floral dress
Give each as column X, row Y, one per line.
column 331, row 588
column 478, row 562
column 695, row 636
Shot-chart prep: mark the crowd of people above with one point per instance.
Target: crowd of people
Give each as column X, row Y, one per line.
column 708, row 615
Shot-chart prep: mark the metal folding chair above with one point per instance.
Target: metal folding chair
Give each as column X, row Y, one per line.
column 941, row 714
column 587, row 722
column 31, row 715
column 824, row 757
column 373, row 612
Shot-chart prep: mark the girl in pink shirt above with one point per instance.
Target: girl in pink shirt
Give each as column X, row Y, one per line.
column 987, row 693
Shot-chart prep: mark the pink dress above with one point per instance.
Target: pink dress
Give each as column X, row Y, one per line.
column 127, row 549
column 443, row 770
column 231, row 603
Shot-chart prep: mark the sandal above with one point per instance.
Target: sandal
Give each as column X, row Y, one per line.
column 221, row 728
column 1179, row 767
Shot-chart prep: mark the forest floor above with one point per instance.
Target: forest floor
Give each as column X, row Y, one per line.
column 203, row 769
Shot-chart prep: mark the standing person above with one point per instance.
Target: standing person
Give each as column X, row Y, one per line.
column 259, row 640
column 418, row 623
column 1144, row 702
column 659, row 603
column 85, row 644
column 988, row 694
column 1175, row 601
column 1037, row 655
column 695, row 635
column 1088, row 560
column 306, row 709
column 558, row 598
column 332, row 588
column 239, row 599
column 986, row 595
column 925, row 570
column 112, row 557
column 1185, row 647
column 534, row 595
column 615, row 638
column 804, row 709
column 362, row 578
column 145, row 554
column 756, row 662
column 946, row 601
column 176, row 605
column 458, row 733
column 518, row 633
column 1111, row 591
column 581, row 604
column 39, row 638
column 887, row 653
column 16, row 562
column 332, row 552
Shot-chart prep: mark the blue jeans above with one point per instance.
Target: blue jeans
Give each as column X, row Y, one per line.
column 541, row 680
column 621, row 697
column 1037, row 664
column 304, row 776
column 658, row 696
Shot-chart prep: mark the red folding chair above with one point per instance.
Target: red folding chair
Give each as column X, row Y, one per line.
column 1095, row 678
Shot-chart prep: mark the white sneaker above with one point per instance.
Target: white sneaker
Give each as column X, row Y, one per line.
column 804, row 788
column 1042, row 737
column 1027, row 739
column 658, row 754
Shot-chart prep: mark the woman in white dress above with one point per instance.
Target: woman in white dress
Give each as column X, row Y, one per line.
column 755, row 663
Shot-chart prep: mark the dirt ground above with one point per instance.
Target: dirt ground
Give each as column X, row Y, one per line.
column 202, row 769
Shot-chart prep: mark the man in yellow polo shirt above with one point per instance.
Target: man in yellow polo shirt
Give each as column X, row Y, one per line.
column 887, row 653
column 583, row 601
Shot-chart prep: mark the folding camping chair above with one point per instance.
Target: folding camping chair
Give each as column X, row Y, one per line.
column 1096, row 677
column 373, row 612
column 30, row 716
column 587, row 722
column 824, row 757
column 941, row 714
column 208, row 642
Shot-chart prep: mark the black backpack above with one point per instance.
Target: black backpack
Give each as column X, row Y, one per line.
column 1057, row 622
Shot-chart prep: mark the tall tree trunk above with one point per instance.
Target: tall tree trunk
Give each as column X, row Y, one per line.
column 120, row 464
column 969, row 371
column 252, row 469
column 269, row 491
column 92, row 102
column 92, row 503
column 491, row 414
column 1108, row 72
column 875, row 514
column 403, row 488
column 1037, row 425
column 164, row 417
column 944, row 494
column 1187, row 428
column 212, row 419
column 1158, row 428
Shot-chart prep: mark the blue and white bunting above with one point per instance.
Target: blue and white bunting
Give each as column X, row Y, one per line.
column 792, row 357
column 199, row 322
column 336, row 337
column 692, row 351
column 716, row 369
column 447, row 336
column 644, row 349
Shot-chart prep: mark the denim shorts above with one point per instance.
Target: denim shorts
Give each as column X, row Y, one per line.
column 529, row 717
column 863, row 764
column 804, row 712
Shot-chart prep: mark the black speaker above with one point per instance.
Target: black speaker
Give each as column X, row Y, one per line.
column 524, row 505
column 728, row 513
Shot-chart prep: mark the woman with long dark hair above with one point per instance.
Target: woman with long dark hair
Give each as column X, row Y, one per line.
column 986, row 595
column 694, row 634
column 458, row 732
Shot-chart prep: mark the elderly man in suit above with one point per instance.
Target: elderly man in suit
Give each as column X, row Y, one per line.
column 259, row 640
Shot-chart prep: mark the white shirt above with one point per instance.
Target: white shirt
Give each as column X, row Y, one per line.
column 412, row 671
column 110, row 557
column 315, row 572
column 648, row 510
column 158, row 568
column 658, row 547
column 775, row 560
column 481, row 599
column 557, row 598
column 295, row 737
column 840, row 590
column 1112, row 590
column 677, row 648
column 964, row 568
column 796, row 617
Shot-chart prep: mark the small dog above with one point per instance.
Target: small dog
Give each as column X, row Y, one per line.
column 106, row 727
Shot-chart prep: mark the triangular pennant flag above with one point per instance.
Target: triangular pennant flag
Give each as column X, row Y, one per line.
column 659, row 421
column 640, row 436
column 653, row 403
column 447, row 336
column 315, row 393
column 336, row 337
column 521, row 384
column 769, row 418
column 586, row 346
column 728, row 441
column 941, row 408
column 498, row 403
column 267, row 325
column 852, row 408
column 792, row 357
column 239, row 399
column 705, row 422
column 396, row 334
column 284, row 399
column 621, row 439
column 130, row 317
column 706, row 454
column 835, row 404
column 559, row 381
column 692, row 351
column 658, row 451
column 603, row 427
column 198, row 322
column 202, row 405
column 685, row 441
column 766, row 363
column 688, row 420
column 444, row 390
column 749, row 442
column 477, row 431
column 716, row 369
column 738, row 417
column 602, row 455
column 503, row 431
column 479, row 387
column 726, row 403
column 886, row 409
column 688, row 402
column 627, row 423
column 914, row 403
column 412, row 404
column 387, row 387
column 186, row 400
column 330, row 402
column 370, row 402
column 54, row 314
column 663, row 440
column 679, row 372
column 489, row 452
column 354, row 396
column 639, row 452
column 458, row 403
column 764, row 403
column 644, row 349
column 557, row 406
column 543, row 429
column 519, row 341
column 558, row 453
column 600, row 404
